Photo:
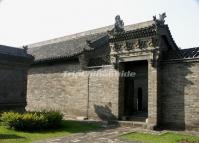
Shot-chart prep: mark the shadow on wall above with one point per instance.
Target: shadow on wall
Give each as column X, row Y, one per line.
column 104, row 113
column 15, row 108
column 173, row 84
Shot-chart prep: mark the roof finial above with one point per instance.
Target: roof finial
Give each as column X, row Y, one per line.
column 160, row 21
column 118, row 26
column 25, row 47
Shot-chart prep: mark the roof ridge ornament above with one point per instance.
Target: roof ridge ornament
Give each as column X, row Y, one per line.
column 118, row 26
column 25, row 47
column 161, row 20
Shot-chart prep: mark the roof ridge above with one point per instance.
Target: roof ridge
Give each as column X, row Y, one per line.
column 90, row 32
column 189, row 48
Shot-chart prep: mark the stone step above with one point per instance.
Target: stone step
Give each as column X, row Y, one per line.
column 134, row 124
column 135, row 118
column 139, row 119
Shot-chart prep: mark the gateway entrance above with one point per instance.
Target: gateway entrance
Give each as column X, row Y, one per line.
column 136, row 90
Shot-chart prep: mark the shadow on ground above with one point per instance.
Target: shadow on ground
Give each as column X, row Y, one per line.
column 104, row 113
column 10, row 136
column 74, row 126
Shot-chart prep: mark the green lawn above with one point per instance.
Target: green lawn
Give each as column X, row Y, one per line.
column 163, row 138
column 68, row 127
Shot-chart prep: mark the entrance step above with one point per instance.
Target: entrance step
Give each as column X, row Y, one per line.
column 135, row 118
column 134, row 124
column 139, row 119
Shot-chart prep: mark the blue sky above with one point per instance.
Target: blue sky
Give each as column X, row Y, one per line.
column 29, row 21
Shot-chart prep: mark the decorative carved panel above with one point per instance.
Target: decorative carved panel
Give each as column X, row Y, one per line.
column 143, row 44
column 136, row 44
column 119, row 46
column 131, row 45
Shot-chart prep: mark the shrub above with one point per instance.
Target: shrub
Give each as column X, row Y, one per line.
column 53, row 119
column 32, row 120
column 10, row 118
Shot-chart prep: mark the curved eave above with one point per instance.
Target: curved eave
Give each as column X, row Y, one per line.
column 55, row 59
column 59, row 58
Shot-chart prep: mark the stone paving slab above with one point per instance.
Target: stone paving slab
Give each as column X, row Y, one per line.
column 106, row 135
column 102, row 136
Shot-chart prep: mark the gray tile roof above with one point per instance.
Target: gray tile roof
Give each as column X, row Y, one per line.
column 182, row 54
column 11, row 51
column 190, row 53
column 72, row 45
column 63, row 49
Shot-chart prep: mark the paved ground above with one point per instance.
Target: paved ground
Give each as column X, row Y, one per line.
column 105, row 136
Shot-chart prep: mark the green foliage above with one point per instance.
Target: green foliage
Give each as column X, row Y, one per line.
column 10, row 118
column 67, row 128
column 32, row 120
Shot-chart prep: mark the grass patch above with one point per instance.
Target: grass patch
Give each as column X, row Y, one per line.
column 67, row 128
column 163, row 138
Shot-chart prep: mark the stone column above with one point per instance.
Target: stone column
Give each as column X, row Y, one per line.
column 152, row 93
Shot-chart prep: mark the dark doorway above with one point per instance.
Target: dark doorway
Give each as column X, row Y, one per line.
column 129, row 95
column 139, row 99
column 135, row 95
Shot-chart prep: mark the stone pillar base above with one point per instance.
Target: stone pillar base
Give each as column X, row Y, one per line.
column 151, row 126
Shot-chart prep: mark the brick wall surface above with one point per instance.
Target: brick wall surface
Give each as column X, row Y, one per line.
column 180, row 94
column 12, row 87
column 86, row 94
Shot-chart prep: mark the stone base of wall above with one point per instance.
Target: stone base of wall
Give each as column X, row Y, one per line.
column 192, row 128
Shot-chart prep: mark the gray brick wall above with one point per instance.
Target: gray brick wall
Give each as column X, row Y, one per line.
column 50, row 88
column 173, row 99
column 12, row 87
column 180, row 95
column 104, row 91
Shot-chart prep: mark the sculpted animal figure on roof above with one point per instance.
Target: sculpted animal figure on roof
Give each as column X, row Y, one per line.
column 161, row 19
column 118, row 26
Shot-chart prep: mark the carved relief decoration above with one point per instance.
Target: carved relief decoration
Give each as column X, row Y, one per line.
column 119, row 46
column 131, row 45
column 150, row 43
column 143, row 44
column 136, row 44
column 153, row 42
